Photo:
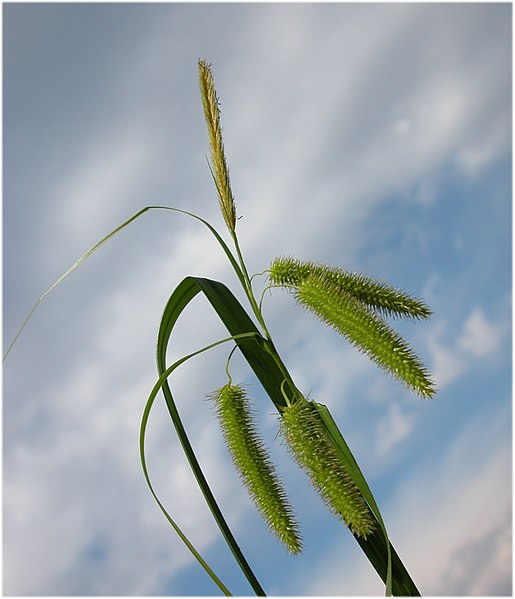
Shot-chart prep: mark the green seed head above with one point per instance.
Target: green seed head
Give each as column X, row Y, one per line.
column 254, row 465
column 355, row 306
column 366, row 330
column 385, row 299
column 311, row 447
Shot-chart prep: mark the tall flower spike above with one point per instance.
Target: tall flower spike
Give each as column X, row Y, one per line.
column 254, row 465
column 219, row 168
column 310, row 446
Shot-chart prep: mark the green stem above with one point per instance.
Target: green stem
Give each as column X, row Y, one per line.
column 247, row 286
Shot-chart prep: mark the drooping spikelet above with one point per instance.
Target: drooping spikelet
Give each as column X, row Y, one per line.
column 220, row 170
column 354, row 305
column 309, row 444
column 254, row 465
column 365, row 330
column 381, row 297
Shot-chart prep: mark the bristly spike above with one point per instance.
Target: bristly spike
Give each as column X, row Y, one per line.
column 381, row 297
column 254, row 465
column 307, row 441
column 365, row 330
column 354, row 305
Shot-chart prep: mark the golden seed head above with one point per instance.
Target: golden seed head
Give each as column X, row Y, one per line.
column 219, row 167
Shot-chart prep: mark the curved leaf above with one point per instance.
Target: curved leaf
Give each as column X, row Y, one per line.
column 143, row 428
column 180, row 298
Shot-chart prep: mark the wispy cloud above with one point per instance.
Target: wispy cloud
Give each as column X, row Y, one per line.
column 470, row 499
column 394, row 429
column 477, row 339
column 480, row 337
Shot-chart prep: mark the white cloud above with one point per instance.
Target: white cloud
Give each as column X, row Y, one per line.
column 396, row 427
column 108, row 169
column 479, row 338
column 344, row 165
column 83, row 490
column 77, row 479
column 447, row 365
column 468, row 572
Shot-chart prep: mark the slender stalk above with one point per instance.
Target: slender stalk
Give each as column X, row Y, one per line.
column 243, row 277
column 247, row 286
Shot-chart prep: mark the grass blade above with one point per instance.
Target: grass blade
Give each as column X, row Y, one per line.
column 180, row 298
column 99, row 244
column 143, row 428
column 161, row 384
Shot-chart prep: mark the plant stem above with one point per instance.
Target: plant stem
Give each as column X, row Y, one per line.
column 247, row 287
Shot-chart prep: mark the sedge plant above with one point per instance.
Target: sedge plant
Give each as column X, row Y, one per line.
column 355, row 306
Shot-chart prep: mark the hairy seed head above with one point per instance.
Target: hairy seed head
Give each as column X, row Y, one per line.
column 254, row 465
column 309, row 444
column 381, row 297
column 365, row 330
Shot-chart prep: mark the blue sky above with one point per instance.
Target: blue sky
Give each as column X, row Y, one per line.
column 375, row 137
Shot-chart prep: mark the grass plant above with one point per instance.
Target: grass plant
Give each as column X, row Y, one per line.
column 357, row 307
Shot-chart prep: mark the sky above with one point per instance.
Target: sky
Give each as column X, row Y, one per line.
column 374, row 137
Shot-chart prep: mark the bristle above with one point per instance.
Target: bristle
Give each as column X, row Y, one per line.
column 288, row 272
